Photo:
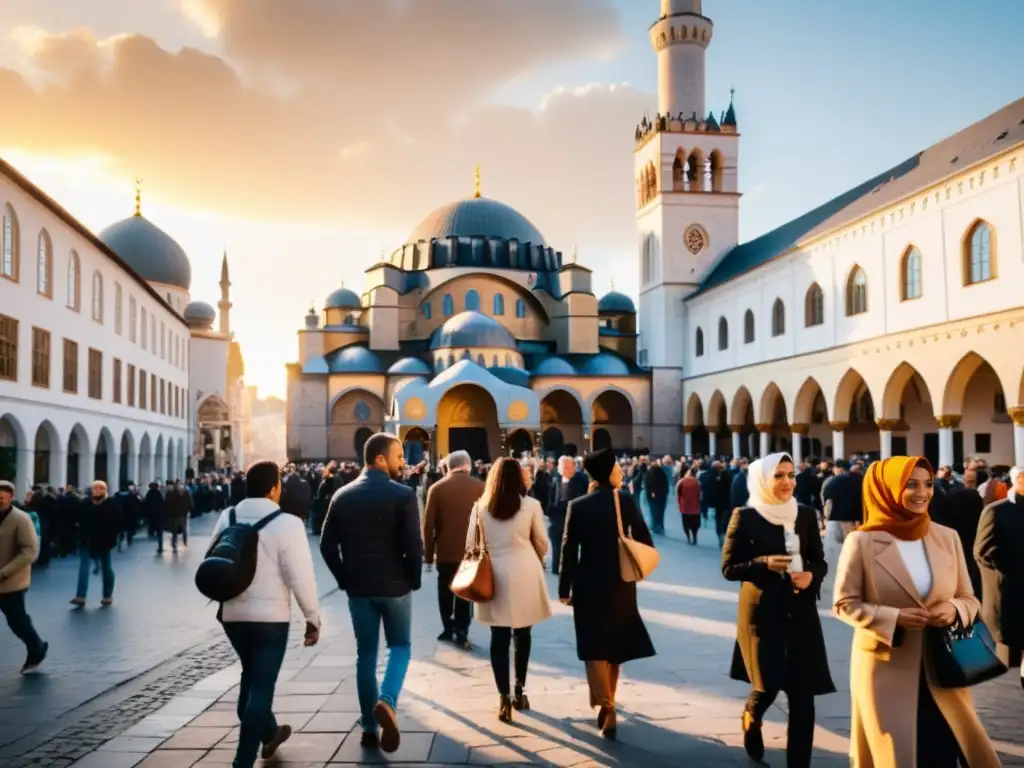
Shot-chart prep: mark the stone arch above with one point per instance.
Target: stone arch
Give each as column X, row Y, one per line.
column 679, row 170
column 895, row 387
column 771, row 403
column 612, row 388
column 717, row 167
column 612, row 412
column 103, row 469
column 850, row 386
column 694, row 411
column 212, row 408
column 78, row 452
column 563, row 418
column 172, row 453
column 159, row 459
column 695, row 167
column 13, row 444
column 47, row 445
column 359, row 442
column 128, row 458
column 416, row 444
column 352, row 410
column 742, row 404
column 467, row 419
column 958, row 381
column 716, row 415
column 145, row 460
column 806, row 396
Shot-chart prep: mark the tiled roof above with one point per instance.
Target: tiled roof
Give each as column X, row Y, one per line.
column 996, row 133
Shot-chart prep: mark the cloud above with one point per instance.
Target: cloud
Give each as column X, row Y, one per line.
column 371, row 111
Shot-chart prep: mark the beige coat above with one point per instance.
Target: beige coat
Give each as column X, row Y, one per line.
column 872, row 585
column 19, row 547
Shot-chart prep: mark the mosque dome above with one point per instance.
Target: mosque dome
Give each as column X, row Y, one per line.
column 153, row 254
column 410, row 366
column 605, row 364
column 554, row 366
column 477, row 217
column 353, row 359
column 199, row 314
column 343, row 298
column 616, row 303
column 472, row 329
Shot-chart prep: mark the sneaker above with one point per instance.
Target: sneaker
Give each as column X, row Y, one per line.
column 369, row 740
column 390, row 737
column 32, row 664
column 106, row 602
column 78, row 602
column 281, row 735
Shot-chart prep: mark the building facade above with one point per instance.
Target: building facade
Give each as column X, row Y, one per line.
column 475, row 334
column 885, row 321
column 97, row 347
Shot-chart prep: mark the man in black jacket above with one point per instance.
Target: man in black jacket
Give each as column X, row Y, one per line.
column 569, row 484
column 296, row 496
column 371, row 542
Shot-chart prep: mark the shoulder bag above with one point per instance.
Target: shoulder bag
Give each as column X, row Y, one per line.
column 474, row 581
column 962, row 657
column 637, row 561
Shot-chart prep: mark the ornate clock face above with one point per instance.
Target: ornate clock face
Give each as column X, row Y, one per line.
column 695, row 238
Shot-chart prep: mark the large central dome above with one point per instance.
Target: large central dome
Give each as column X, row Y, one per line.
column 477, row 217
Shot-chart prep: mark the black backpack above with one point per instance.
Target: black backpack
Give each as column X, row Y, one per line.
column 230, row 564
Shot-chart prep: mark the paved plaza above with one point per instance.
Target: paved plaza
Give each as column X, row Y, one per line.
column 151, row 682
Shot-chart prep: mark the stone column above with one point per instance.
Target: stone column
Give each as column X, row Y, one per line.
column 885, row 428
column 712, row 444
column 688, row 441
column 838, row 439
column 798, row 430
column 114, row 473
column 947, row 424
column 737, row 449
column 765, row 436
column 58, row 468
column 1017, row 414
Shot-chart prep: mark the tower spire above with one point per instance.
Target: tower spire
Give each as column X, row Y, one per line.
column 224, row 305
column 138, row 197
column 476, row 182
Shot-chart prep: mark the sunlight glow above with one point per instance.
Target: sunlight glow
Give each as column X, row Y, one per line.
column 203, row 16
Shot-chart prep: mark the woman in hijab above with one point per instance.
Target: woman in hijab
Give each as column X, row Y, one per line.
column 999, row 550
column 774, row 548
column 897, row 575
column 609, row 630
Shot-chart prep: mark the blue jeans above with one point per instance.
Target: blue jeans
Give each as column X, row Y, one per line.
column 260, row 647
column 106, row 568
column 12, row 605
column 367, row 615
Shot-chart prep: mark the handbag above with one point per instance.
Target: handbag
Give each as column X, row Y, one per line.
column 637, row 560
column 963, row 656
column 474, row 581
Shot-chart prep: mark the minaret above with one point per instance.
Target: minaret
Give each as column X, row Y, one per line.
column 224, row 305
column 680, row 37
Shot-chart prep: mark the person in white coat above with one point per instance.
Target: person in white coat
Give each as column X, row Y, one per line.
column 512, row 525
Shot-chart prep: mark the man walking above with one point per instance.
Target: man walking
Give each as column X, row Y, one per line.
column 371, row 542
column 19, row 547
column 256, row 622
column 570, row 484
column 449, row 503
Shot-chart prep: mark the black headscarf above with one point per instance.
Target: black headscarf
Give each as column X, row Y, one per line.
column 599, row 465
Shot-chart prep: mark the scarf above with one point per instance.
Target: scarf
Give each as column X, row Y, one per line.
column 884, row 484
column 759, row 479
column 1012, row 496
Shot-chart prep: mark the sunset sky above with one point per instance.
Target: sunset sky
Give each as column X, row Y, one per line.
column 306, row 136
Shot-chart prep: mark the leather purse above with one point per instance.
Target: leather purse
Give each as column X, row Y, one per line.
column 474, row 581
column 963, row 656
column 637, row 560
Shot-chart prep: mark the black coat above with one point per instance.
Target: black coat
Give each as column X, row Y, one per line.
column 557, row 509
column 999, row 550
column 101, row 525
column 604, row 609
column 963, row 507
column 779, row 642
column 296, row 497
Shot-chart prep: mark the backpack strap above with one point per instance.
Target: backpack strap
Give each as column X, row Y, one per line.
column 231, row 516
column 266, row 521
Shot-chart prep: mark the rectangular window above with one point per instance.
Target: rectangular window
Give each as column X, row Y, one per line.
column 163, row 397
column 145, row 328
column 131, row 386
column 982, row 442
column 152, row 329
column 118, row 301
column 177, row 403
column 143, row 383
column 153, row 401
column 8, row 348
column 163, row 341
column 95, row 374
column 133, row 312
column 71, row 367
column 40, row 358
column 117, row 380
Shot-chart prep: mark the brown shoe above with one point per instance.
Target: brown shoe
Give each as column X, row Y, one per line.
column 78, row 602
column 390, row 737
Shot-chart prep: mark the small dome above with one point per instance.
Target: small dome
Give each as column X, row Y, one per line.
column 343, row 298
column 354, row 359
column 554, row 366
column 513, row 376
column 151, row 252
column 605, row 364
column 615, row 303
column 477, row 217
column 199, row 314
column 410, row 366
column 472, row 329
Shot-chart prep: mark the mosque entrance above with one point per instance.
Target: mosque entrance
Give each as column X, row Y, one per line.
column 473, row 440
column 467, row 419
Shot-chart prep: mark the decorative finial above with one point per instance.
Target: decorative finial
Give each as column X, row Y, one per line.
column 138, row 197
column 343, row 282
column 312, row 307
column 732, row 93
column 476, row 182
column 613, row 283
column 574, row 253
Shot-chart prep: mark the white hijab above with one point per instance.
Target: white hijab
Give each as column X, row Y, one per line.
column 1012, row 496
column 759, row 479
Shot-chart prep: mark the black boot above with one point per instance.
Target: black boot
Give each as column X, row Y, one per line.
column 520, row 700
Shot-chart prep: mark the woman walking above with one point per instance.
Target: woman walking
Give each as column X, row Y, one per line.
column 897, row 575
column 688, row 495
column 773, row 547
column 512, row 525
column 609, row 630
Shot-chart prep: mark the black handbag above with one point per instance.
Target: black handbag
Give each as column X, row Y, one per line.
column 962, row 657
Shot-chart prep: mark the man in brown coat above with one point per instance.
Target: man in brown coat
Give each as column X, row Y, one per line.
column 19, row 547
column 449, row 503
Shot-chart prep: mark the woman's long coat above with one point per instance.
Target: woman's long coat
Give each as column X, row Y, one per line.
column 999, row 550
column 607, row 619
column 779, row 642
column 872, row 585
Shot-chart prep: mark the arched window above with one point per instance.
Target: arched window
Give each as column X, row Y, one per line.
column 979, row 264
column 440, row 364
column 748, row 327
column 814, row 306
column 426, row 310
column 9, row 261
column 910, row 275
column 44, row 266
column 699, row 343
column 481, row 360
column 723, row 333
column 856, row 292
column 448, row 305
column 778, row 318
column 466, row 355
column 74, row 282
column 97, row 298
column 678, row 168
column 499, row 304
column 494, row 361
column 520, row 308
column 472, row 301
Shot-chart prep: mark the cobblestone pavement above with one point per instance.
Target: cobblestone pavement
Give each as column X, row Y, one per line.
column 679, row 708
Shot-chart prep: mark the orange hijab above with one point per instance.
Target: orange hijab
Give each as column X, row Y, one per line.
column 884, row 484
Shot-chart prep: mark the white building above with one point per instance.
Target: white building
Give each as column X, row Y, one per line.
column 886, row 321
column 97, row 345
